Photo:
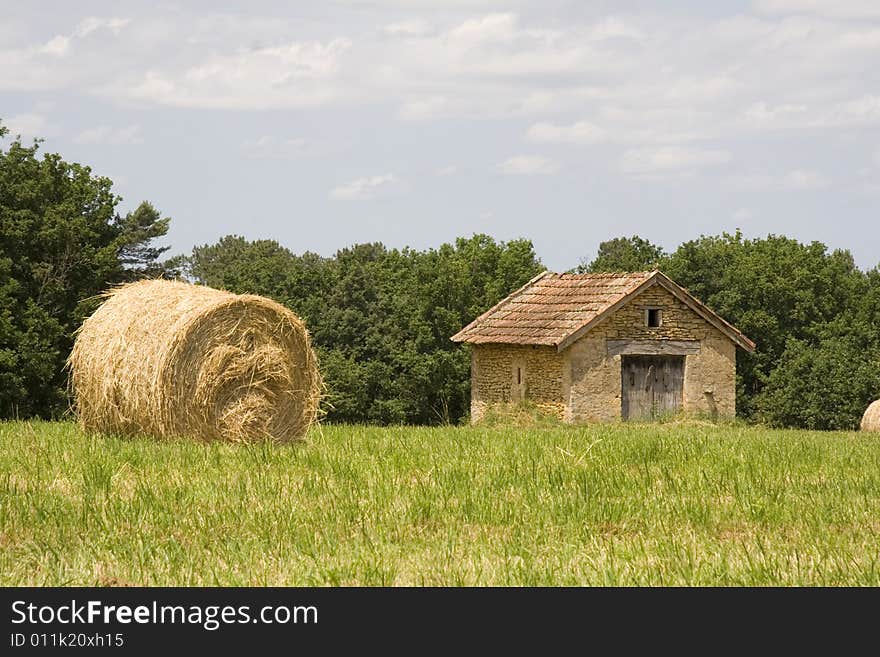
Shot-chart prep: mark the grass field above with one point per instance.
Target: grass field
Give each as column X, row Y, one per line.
column 666, row 504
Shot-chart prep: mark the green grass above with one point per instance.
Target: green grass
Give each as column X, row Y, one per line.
column 666, row 504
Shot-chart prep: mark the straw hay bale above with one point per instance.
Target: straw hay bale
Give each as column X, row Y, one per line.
column 871, row 418
column 167, row 358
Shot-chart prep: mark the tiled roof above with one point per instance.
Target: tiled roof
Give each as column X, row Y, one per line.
column 555, row 309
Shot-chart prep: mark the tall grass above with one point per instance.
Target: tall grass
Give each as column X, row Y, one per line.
column 666, row 504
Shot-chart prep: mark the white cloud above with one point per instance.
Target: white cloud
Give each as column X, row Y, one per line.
column 59, row 45
column 153, row 86
column 424, row 109
column 831, row 8
column 290, row 75
column 56, row 46
column 862, row 39
column 850, row 112
column 670, row 160
column 750, row 182
column 612, row 27
column 410, row 28
column 803, row 179
column 65, row 60
column 581, row 132
column 365, row 188
column 860, row 110
column 94, row 23
column 761, row 112
column 791, row 88
column 493, row 27
column 794, row 180
column 700, row 90
column 31, row 125
column 449, row 170
column 528, row 165
column 644, row 79
column 268, row 147
column 104, row 134
column 485, row 67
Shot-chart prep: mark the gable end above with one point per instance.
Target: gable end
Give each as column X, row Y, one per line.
column 695, row 306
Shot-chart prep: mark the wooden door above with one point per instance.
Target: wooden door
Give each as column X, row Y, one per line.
column 651, row 386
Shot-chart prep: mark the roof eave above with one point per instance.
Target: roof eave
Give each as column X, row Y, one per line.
column 655, row 277
column 461, row 336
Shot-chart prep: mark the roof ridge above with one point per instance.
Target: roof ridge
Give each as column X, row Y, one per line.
column 562, row 309
column 607, row 274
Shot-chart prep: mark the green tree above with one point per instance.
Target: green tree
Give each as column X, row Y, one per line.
column 774, row 289
column 828, row 382
column 380, row 318
column 61, row 243
column 827, row 385
column 261, row 267
column 624, row 254
column 137, row 252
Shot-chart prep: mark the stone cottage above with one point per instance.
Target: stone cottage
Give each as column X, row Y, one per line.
column 600, row 347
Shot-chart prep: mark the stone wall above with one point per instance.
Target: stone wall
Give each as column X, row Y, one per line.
column 582, row 384
column 503, row 374
column 593, row 377
column 593, row 393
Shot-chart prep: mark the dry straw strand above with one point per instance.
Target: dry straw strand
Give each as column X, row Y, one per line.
column 871, row 418
column 167, row 358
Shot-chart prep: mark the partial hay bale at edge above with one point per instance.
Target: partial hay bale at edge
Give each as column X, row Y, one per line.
column 871, row 418
column 167, row 358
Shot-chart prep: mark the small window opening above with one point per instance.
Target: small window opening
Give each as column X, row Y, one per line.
column 519, row 376
column 654, row 317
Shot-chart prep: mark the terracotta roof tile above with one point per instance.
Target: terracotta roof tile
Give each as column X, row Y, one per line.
column 553, row 309
column 550, row 307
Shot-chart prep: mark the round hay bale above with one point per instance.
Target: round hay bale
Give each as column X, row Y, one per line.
column 167, row 358
column 871, row 418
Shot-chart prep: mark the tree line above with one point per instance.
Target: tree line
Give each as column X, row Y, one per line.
column 813, row 314
column 61, row 243
column 381, row 318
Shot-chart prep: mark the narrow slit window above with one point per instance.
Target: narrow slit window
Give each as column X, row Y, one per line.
column 519, row 376
column 654, row 317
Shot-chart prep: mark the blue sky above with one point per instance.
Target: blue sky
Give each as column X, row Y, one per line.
column 326, row 124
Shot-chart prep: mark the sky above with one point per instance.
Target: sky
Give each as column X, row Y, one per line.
column 413, row 122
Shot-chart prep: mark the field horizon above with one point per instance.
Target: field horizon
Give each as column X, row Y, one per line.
column 673, row 503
